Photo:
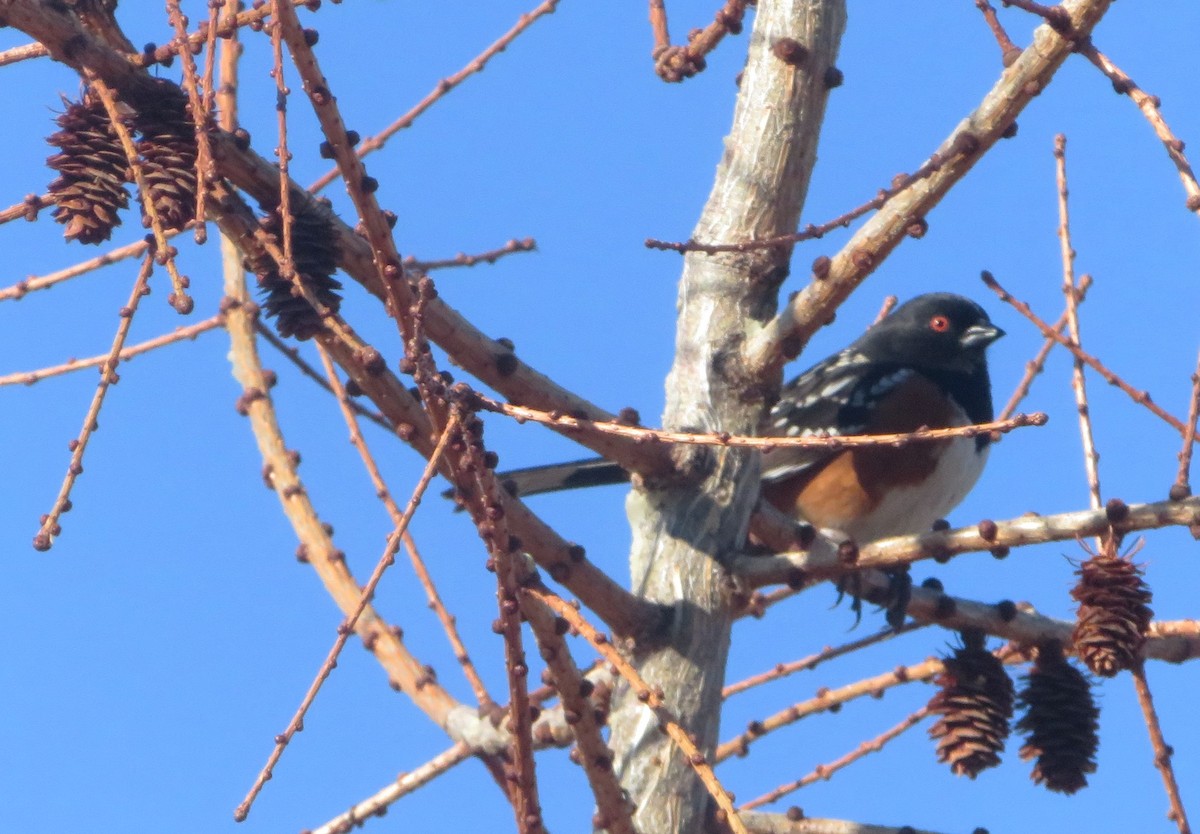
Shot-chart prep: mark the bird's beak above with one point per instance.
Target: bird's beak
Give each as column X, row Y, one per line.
column 980, row 335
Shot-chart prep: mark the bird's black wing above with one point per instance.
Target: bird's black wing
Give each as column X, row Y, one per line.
column 830, row 399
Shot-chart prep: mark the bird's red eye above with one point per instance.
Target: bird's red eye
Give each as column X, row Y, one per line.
column 939, row 324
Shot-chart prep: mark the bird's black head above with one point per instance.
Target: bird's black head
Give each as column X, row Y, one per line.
column 939, row 331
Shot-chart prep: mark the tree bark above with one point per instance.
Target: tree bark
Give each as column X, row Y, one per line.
column 685, row 535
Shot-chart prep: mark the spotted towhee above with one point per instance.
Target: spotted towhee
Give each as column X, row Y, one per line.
column 921, row 367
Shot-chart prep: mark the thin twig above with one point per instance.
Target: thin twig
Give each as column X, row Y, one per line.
column 1056, row 16
column 1142, row 398
column 613, row 811
column 1149, row 105
column 292, row 354
column 227, row 28
column 440, row 89
column 1036, row 365
column 462, row 259
column 23, row 53
column 1182, row 487
column 108, row 377
column 377, row 804
column 178, row 335
column 812, row 231
column 658, row 24
column 33, row 283
column 1162, row 750
column 782, row 670
column 650, row 696
column 1009, row 51
column 163, row 251
column 398, row 520
column 642, row 435
column 825, row 771
column 827, row 699
column 889, row 304
column 675, row 63
column 404, row 671
column 448, row 621
column 992, row 119
column 27, row 208
column 1091, row 458
column 193, row 87
column 348, row 624
column 823, row 561
column 288, row 265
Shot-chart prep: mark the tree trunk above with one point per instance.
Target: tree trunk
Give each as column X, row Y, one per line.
column 684, row 536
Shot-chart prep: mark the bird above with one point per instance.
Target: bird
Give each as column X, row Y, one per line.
column 923, row 366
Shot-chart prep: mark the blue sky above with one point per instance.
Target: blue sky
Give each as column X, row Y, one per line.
column 170, row 633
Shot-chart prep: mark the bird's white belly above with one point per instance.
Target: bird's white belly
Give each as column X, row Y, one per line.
column 914, row 509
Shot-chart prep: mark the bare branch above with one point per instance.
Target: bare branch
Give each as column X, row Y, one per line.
column 443, row 87
column 1091, row 458
column 1162, row 750
column 823, row 772
column 1009, row 51
column 50, row 528
column 347, row 627
column 1149, row 105
column 462, row 259
column 1038, row 363
column 652, row 697
column 1142, row 398
column 640, row 436
column 378, row 803
column 164, row 253
column 1182, row 486
column 822, row 561
column 33, row 283
column 782, row 670
column 797, row 823
column 178, row 335
column 867, row 249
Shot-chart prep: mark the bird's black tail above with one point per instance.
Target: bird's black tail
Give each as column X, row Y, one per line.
column 556, row 477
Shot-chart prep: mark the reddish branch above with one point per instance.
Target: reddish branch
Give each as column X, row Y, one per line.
column 443, row 87
column 822, row 560
column 1018, row 85
column 462, row 259
column 782, row 670
column 1162, row 751
column 27, row 208
column 195, row 89
column 23, row 53
column 1091, row 458
column 33, row 283
column 826, row 700
column 650, row 696
column 292, row 354
column 591, row 752
column 178, row 335
column 644, row 436
column 825, row 771
column 1140, row 397
column 448, row 621
column 899, row 183
column 108, row 377
column 1182, row 487
column 1038, row 363
column 1149, row 105
column 675, row 63
column 347, row 627
column 1009, row 51
column 164, row 253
